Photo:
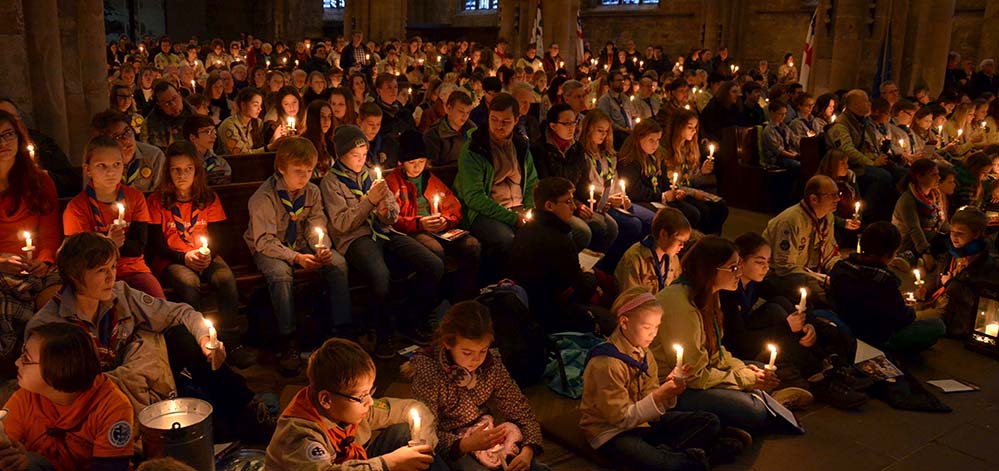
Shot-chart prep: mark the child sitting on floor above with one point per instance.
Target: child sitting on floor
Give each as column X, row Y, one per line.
column 67, row 415
column 625, row 411
column 653, row 263
column 455, row 377
column 329, row 424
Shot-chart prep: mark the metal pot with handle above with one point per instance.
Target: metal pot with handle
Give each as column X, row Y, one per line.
column 180, row 428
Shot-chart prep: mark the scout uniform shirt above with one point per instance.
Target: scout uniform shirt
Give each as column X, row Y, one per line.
column 282, row 225
column 183, row 225
column 145, row 170
column 98, row 424
column 352, row 216
column 85, row 214
column 307, row 441
column 617, row 397
column 639, row 267
column 801, row 244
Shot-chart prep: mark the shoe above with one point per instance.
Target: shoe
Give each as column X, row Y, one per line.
column 240, row 357
column 837, row 393
column 739, row 434
column 290, row 363
column 849, row 377
column 259, row 422
column 794, row 398
column 385, row 349
column 724, row 450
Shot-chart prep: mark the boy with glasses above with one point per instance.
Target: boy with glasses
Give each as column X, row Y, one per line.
column 330, row 423
column 200, row 131
column 143, row 162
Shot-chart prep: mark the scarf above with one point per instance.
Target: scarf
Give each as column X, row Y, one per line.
column 560, row 143
column 294, row 209
column 359, row 191
column 820, row 235
column 184, row 228
column 457, row 374
column 211, row 162
column 650, row 169
column 661, row 267
column 606, row 176
column 926, row 205
column 99, row 224
column 57, row 426
column 131, row 171
column 107, row 338
column 973, row 248
column 343, row 439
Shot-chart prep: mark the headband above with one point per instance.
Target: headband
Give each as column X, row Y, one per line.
column 634, row 303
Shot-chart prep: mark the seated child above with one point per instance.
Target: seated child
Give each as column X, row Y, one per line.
column 142, row 163
column 134, row 332
column 200, row 131
column 967, row 262
column 67, row 415
column 653, row 263
column 284, row 215
column 625, row 411
column 108, row 206
column 427, row 207
column 445, row 138
column 780, row 144
column 184, row 217
column 361, row 207
column 544, row 260
column 866, row 294
column 456, row 376
column 329, row 424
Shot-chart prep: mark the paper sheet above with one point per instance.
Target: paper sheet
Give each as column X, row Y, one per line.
column 588, row 259
column 865, row 352
column 951, row 385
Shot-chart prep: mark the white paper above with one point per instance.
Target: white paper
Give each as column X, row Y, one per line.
column 865, row 352
column 588, row 259
column 778, row 409
column 950, row 385
column 658, row 205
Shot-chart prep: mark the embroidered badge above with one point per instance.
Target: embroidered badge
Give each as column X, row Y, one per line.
column 382, row 404
column 146, row 172
column 120, row 434
column 382, row 157
column 147, row 300
column 316, row 452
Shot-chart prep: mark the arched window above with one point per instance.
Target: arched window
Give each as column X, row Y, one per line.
column 474, row 5
column 333, row 4
column 628, row 2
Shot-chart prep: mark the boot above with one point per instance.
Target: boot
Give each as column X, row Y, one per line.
column 290, row 363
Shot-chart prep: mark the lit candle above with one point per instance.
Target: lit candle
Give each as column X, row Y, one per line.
column 711, row 151
column 959, row 132
column 679, row 355
column 676, row 178
column 415, row 427
column 593, row 188
column 409, row 90
column 291, row 123
column 940, row 130
column 367, row 57
column 773, row 356
column 308, row 46
column 594, row 101
column 529, row 215
column 833, row 120
column 732, row 67
column 901, row 144
column 284, row 60
column 638, row 120
column 296, row 62
column 194, row 85
column 622, row 183
column 142, row 48
column 641, row 63
column 790, row 63
column 856, row 210
column 686, row 107
column 378, row 173
column 983, row 124
column 561, row 64
column 804, row 299
column 213, row 336
column 910, row 297
column 919, row 280
column 268, row 63
column 28, row 248
column 695, row 90
column 31, row 151
column 437, row 204
column 321, row 238
column 218, row 62
column 634, row 59
column 204, row 250
column 121, row 214
column 438, row 58
column 632, row 98
column 992, row 329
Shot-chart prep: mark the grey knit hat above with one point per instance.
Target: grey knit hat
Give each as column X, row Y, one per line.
column 347, row 138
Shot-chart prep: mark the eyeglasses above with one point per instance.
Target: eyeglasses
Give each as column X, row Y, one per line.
column 8, row 136
column 567, row 123
column 209, row 131
column 361, row 399
column 126, row 134
column 25, row 361
column 838, row 194
column 733, row 269
column 124, row 97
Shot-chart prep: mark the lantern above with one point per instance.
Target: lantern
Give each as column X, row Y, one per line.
column 985, row 336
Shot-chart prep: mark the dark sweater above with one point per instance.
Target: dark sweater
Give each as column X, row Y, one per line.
column 866, row 295
column 747, row 330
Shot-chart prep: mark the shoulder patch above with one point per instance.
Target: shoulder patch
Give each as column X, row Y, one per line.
column 382, row 404
column 147, row 300
column 315, row 451
column 785, row 245
column 146, row 172
column 120, row 434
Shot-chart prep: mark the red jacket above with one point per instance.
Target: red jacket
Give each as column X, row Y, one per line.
column 450, row 208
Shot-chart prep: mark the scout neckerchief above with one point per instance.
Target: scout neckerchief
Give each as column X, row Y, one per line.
column 926, row 204
column 131, row 171
column 359, row 191
column 661, row 266
column 808, row 123
column 107, row 337
column 650, row 169
column 341, row 437
column 682, row 280
column 620, row 107
column 960, row 259
column 908, row 135
column 184, row 228
column 294, row 209
column 596, row 160
column 99, row 224
column 820, row 234
column 608, row 349
column 211, row 162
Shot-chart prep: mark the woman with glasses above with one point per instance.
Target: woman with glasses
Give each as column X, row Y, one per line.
column 123, row 101
column 692, row 318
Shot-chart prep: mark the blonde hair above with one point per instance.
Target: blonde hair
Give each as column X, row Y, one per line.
column 634, row 300
column 294, row 150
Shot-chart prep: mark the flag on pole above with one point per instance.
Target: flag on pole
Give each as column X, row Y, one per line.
column 579, row 37
column 806, row 56
column 883, row 73
column 538, row 34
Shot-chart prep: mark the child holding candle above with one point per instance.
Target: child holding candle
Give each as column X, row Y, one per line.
column 717, row 382
column 94, row 210
column 361, row 207
column 241, row 133
column 920, row 215
column 183, row 212
column 625, row 412
column 696, row 178
column 654, row 263
column 283, row 214
column 456, row 376
column 285, row 110
column 143, row 163
column 428, row 208
column 330, row 423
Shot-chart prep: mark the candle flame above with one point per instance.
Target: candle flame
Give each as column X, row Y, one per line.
column 208, row 323
column 804, row 292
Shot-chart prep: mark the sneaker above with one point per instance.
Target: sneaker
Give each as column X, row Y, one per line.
column 837, row 393
column 794, row 398
column 290, row 363
column 240, row 357
column 385, row 349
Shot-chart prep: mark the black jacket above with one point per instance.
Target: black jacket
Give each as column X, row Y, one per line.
column 867, row 298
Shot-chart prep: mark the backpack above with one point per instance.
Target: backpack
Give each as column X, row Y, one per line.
column 519, row 337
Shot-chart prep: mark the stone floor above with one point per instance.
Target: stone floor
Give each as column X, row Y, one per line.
column 874, row 437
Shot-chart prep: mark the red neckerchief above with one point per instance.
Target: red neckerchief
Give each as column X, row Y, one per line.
column 820, row 234
column 342, row 438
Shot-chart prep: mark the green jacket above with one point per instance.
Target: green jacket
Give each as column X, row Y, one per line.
column 854, row 136
column 474, row 183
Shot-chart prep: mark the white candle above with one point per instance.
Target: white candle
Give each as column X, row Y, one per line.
column 919, row 280
column 804, row 299
column 686, row 107
column 910, row 296
column 901, row 143
column 940, row 130
column 622, row 183
column 637, row 120
column 31, row 151
column 438, row 58
column 679, row 355
column 593, row 101
column 856, row 210
column 28, row 248
column 711, row 150
column 296, row 62
column 437, row 204
column 833, row 120
column 983, row 124
column 204, row 250
column 291, row 123
column 284, row 60
column 415, row 427
column 959, row 132
column 193, row 85
column 634, row 59
column 529, row 215
column 676, row 178
column 121, row 214
column 409, row 90
column 773, row 356
column 367, row 57
column 213, row 340
column 378, row 173
column 561, row 64
column 992, row 329
column 593, row 188
column 268, row 63
column 321, row 237
column 641, row 63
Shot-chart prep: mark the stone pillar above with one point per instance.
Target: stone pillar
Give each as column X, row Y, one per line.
column 848, row 54
column 927, row 42
column 81, row 28
column 712, row 24
column 989, row 45
column 378, row 20
column 560, row 27
column 15, row 80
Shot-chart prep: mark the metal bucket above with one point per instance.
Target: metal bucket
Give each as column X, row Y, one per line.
column 179, row 428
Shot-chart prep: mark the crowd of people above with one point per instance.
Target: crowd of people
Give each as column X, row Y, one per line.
column 451, row 166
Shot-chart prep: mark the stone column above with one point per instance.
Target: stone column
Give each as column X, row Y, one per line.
column 927, row 42
column 848, row 54
column 47, row 95
column 560, row 27
column 989, row 45
column 81, row 28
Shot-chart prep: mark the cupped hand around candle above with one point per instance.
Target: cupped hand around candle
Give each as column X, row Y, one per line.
column 483, row 438
column 765, row 380
column 214, row 355
column 197, row 261
column 12, row 264
column 409, row 458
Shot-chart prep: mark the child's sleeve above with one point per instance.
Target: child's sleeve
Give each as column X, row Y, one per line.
column 608, row 385
column 76, row 218
column 18, row 416
column 515, row 406
column 113, row 433
column 343, row 217
column 389, row 411
column 158, row 315
column 427, row 390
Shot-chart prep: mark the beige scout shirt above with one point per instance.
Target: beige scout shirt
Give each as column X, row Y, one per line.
column 269, row 221
column 637, row 268
column 799, row 245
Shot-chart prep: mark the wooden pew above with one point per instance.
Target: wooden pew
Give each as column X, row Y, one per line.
column 811, row 153
column 250, row 167
column 742, row 180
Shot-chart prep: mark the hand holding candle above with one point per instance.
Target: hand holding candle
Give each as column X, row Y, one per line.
column 204, row 250
column 291, row 124
column 378, row 173
column 678, row 369
column 803, row 305
column 919, row 280
column 28, row 249
column 415, row 428
column 121, row 214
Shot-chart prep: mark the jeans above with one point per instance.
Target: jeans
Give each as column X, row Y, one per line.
column 280, row 278
column 496, row 238
column 394, row 437
column 662, row 445
column 145, row 282
column 466, row 251
column 374, row 261
column 604, row 229
column 580, row 233
column 917, row 336
column 876, row 188
column 645, row 215
column 186, row 284
column 734, row 408
column 629, row 231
